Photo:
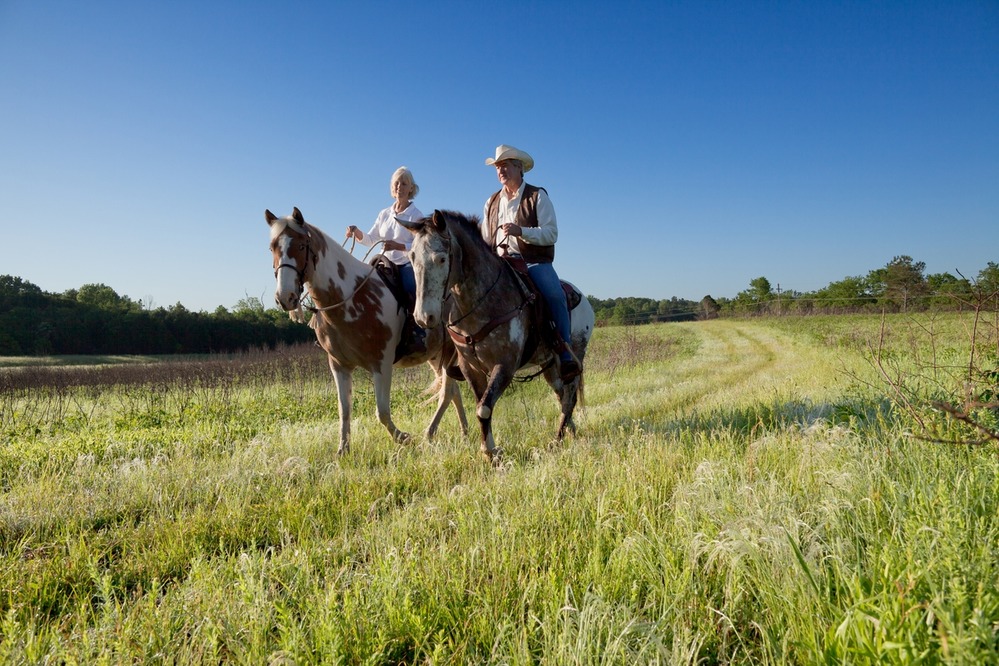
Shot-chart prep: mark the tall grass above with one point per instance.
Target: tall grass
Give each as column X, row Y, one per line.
column 738, row 492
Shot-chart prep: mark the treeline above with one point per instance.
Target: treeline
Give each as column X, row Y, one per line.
column 631, row 310
column 902, row 285
column 94, row 319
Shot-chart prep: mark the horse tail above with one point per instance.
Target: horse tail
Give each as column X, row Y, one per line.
column 580, row 393
column 436, row 387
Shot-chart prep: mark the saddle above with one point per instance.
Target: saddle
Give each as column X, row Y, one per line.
column 542, row 325
column 412, row 336
column 392, row 278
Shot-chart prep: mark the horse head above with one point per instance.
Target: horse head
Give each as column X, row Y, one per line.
column 431, row 255
column 294, row 258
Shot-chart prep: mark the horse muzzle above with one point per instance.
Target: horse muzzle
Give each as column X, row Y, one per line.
column 425, row 318
column 287, row 300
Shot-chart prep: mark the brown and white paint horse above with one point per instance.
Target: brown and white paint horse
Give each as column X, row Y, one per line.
column 461, row 280
column 357, row 320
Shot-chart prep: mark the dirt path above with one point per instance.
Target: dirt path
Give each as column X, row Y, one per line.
column 737, row 364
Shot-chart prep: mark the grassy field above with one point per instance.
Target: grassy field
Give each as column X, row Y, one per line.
column 744, row 492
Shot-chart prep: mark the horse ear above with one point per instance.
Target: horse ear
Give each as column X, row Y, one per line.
column 269, row 216
column 415, row 226
column 439, row 221
column 297, row 215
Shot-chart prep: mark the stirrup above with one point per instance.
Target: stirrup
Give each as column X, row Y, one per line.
column 569, row 369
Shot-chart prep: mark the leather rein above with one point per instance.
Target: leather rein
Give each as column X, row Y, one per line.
column 311, row 255
column 472, row 339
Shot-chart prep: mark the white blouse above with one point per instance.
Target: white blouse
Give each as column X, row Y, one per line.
column 386, row 228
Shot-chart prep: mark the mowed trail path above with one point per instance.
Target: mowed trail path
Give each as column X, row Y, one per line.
column 735, row 365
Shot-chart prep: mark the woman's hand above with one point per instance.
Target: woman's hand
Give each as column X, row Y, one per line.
column 355, row 232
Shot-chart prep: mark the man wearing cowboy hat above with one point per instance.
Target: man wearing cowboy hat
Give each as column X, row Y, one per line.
column 520, row 220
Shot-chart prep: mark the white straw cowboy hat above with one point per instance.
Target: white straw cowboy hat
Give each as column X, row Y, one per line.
column 504, row 152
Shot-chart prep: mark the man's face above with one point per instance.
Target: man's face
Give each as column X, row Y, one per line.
column 509, row 174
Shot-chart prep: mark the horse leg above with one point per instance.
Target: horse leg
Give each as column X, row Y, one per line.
column 567, row 393
column 449, row 356
column 383, row 402
column 448, row 394
column 487, row 396
column 488, row 447
column 344, row 381
column 442, row 402
column 455, row 392
column 567, row 400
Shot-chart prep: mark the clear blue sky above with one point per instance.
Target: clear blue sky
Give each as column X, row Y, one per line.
column 688, row 147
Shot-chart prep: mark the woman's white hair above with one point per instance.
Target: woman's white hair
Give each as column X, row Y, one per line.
column 404, row 174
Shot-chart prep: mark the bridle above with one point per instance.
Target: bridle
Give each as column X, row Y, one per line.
column 471, row 340
column 310, row 255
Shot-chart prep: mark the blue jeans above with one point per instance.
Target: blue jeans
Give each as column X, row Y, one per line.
column 550, row 286
column 408, row 279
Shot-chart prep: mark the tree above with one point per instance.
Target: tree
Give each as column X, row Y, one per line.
column 708, row 308
column 248, row 304
column 754, row 299
column 623, row 314
column 987, row 285
column 760, row 289
column 14, row 286
column 988, row 278
column 105, row 298
column 850, row 292
column 947, row 290
column 900, row 282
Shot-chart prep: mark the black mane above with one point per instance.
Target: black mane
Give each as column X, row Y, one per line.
column 467, row 220
column 468, row 223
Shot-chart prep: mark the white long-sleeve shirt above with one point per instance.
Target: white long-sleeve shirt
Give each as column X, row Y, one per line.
column 386, row 228
column 546, row 233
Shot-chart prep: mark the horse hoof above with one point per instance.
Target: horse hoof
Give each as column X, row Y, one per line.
column 494, row 457
column 403, row 438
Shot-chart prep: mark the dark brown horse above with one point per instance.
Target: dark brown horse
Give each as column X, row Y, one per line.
column 357, row 320
column 461, row 281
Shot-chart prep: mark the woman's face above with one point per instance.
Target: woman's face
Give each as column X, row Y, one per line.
column 401, row 189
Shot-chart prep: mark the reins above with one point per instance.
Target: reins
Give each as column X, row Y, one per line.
column 492, row 324
column 301, row 273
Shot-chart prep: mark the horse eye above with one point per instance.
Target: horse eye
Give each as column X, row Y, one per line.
column 440, row 260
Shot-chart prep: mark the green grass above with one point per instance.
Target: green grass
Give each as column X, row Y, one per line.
column 738, row 492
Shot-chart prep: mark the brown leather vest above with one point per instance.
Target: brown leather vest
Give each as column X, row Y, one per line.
column 527, row 216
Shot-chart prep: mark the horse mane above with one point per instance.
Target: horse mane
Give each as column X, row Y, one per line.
column 318, row 236
column 469, row 224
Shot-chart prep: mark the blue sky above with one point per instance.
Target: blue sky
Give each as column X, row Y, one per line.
column 688, row 147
